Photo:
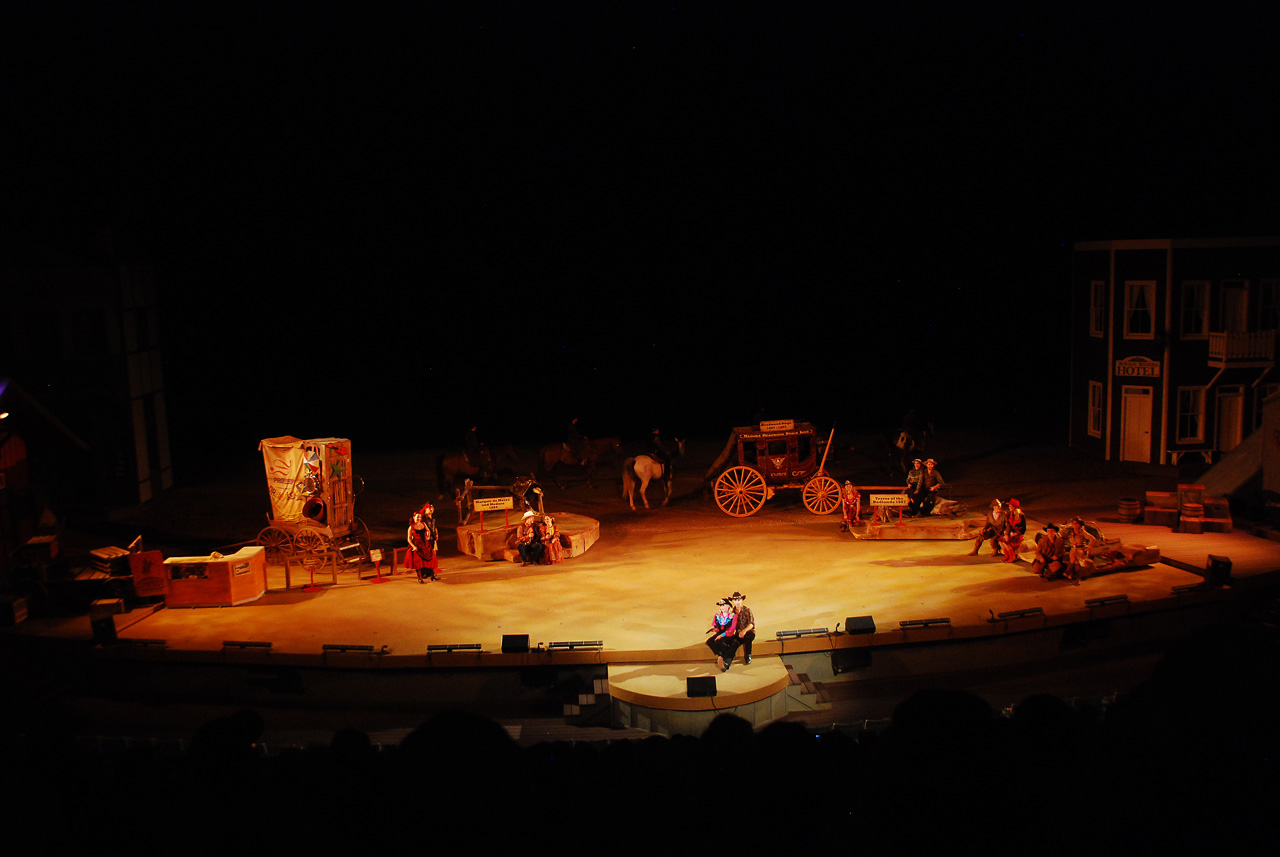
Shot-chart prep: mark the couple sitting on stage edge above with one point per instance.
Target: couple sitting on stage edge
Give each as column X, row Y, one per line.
column 732, row 627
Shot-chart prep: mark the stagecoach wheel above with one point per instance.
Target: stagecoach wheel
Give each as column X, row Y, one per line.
column 310, row 541
column 740, row 491
column 360, row 532
column 821, row 495
column 277, row 542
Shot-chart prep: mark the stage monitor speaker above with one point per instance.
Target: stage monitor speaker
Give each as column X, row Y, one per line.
column 859, row 625
column 515, row 644
column 704, row 685
column 1217, row 571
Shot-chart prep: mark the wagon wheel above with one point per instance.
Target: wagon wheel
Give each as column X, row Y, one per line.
column 360, row 532
column 821, row 495
column 740, row 491
column 310, row 541
column 277, row 542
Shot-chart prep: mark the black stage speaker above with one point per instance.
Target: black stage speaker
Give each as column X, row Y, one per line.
column 859, row 625
column 704, row 685
column 515, row 644
column 1217, row 570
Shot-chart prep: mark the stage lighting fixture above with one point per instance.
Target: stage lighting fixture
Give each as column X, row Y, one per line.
column 1109, row 599
column 1020, row 614
column 925, row 623
column 244, row 644
column 801, row 632
column 576, row 644
column 346, row 647
column 450, row 647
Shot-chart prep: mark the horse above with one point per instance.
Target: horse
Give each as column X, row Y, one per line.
column 556, row 455
column 643, row 469
column 450, row 466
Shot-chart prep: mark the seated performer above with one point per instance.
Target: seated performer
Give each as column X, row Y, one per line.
column 724, row 627
column 930, row 484
column 529, row 539
column 850, row 506
column 1015, row 530
column 915, row 487
column 992, row 529
column 1076, row 543
column 1048, row 561
column 551, row 538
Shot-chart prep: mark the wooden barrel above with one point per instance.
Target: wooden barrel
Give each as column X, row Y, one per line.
column 1192, row 510
column 1130, row 510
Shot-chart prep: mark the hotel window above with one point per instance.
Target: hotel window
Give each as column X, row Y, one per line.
column 1191, row 415
column 1140, row 310
column 1195, row 309
column 1269, row 305
column 1095, row 408
column 1097, row 308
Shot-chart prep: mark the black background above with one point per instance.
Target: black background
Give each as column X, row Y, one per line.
column 389, row 221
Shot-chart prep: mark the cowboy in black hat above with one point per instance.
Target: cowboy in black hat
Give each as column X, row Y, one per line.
column 746, row 625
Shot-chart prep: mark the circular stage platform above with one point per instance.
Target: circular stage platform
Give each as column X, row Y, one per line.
column 657, row 697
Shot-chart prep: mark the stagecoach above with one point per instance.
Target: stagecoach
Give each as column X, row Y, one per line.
column 312, row 493
column 773, row 455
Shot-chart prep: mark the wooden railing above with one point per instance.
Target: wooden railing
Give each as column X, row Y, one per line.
column 1252, row 345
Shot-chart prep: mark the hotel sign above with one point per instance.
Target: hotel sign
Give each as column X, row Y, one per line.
column 1138, row 367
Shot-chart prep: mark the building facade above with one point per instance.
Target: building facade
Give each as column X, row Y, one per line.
column 1173, row 345
column 86, row 342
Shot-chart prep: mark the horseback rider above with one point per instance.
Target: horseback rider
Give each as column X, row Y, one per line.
column 658, row 448
column 473, row 448
column 576, row 442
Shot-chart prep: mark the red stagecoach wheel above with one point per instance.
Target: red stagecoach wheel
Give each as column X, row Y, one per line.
column 821, row 495
column 740, row 491
column 277, row 542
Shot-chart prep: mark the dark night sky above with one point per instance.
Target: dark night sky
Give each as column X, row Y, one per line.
column 831, row 209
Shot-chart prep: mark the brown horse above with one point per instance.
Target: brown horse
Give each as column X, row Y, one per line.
column 554, row 456
column 453, row 466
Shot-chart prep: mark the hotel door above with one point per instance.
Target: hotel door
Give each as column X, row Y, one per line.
column 1230, row 418
column 1135, row 424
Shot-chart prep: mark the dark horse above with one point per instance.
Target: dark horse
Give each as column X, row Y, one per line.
column 453, row 466
column 555, row 456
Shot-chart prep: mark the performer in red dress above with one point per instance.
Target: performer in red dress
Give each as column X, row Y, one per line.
column 551, row 538
column 1015, row 530
column 423, row 542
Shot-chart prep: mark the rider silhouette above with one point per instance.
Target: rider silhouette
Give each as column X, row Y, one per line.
column 658, row 448
column 473, row 448
column 575, row 442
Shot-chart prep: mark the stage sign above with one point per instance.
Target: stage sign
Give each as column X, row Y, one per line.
column 777, row 425
column 1138, row 367
column 492, row 504
column 892, row 501
column 375, row 555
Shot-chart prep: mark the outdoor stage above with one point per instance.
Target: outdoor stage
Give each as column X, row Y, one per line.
column 646, row 591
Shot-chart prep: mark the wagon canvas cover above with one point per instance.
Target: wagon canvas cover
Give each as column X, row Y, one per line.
column 298, row 470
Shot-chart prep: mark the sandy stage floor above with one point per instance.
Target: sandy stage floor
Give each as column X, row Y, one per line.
column 652, row 580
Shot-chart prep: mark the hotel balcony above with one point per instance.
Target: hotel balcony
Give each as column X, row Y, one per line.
column 1242, row 349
